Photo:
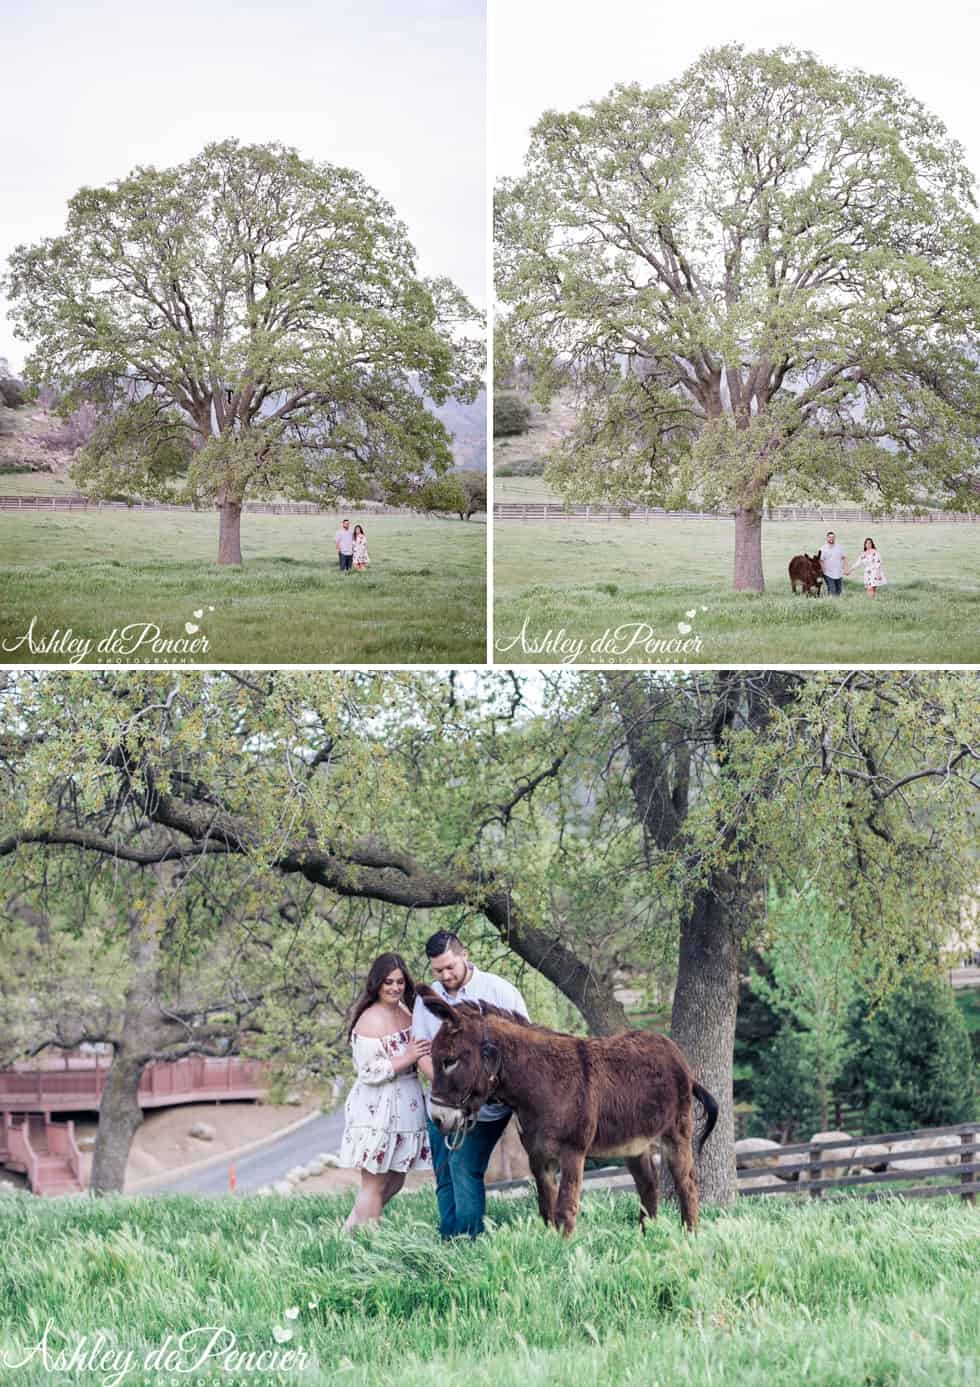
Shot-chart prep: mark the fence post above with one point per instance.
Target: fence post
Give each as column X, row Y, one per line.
column 969, row 1177
column 814, row 1171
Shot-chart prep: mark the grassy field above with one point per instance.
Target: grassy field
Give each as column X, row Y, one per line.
column 423, row 600
column 847, row 1294
column 584, row 579
column 36, row 484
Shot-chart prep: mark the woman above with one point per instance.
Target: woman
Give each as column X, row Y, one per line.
column 385, row 1132
column 874, row 574
column 361, row 559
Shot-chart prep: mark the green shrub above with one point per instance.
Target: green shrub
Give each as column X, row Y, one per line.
column 511, row 415
column 919, row 1065
column 523, row 467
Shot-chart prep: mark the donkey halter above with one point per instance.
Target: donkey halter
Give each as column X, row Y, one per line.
column 489, row 1056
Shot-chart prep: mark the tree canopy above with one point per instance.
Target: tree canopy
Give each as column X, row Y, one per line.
column 255, row 323
column 764, row 277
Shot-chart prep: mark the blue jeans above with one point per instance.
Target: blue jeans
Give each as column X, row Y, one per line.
column 833, row 586
column 460, row 1190
column 345, row 562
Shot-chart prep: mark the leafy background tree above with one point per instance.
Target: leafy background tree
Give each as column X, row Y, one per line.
column 763, row 276
column 263, row 328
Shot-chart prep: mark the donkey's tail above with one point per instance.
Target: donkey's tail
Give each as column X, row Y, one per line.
column 711, row 1108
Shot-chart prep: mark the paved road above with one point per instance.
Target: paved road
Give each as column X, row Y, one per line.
column 264, row 1166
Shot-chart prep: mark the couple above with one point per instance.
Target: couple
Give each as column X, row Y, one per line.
column 351, row 548
column 834, row 565
column 387, row 1131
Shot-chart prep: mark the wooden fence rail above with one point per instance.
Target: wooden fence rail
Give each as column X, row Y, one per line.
column 811, row 1174
column 43, row 502
column 545, row 510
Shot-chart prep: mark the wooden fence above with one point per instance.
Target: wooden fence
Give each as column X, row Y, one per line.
column 196, row 1078
column 546, row 510
column 73, row 502
column 811, row 1168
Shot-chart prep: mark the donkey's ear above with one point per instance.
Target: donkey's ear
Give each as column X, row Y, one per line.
column 434, row 1003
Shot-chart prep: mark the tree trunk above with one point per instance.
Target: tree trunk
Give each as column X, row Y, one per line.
column 748, row 550
column 230, row 532
column 119, row 1116
column 702, row 1023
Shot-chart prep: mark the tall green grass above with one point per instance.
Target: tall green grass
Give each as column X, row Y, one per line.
column 844, row 1292
column 584, row 579
column 423, row 599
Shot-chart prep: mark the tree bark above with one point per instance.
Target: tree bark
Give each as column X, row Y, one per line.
column 230, row 532
column 702, row 1023
column 119, row 1116
column 748, row 549
column 590, row 994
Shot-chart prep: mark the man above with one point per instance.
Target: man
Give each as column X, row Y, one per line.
column 460, row 1190
column 833, row 561
column 344, row 541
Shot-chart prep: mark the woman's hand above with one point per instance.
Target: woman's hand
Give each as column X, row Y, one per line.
column 417, row 1047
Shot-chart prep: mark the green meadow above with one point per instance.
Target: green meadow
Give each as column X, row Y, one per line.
column 582, row 579
column 837, row 1293
column 423, row 599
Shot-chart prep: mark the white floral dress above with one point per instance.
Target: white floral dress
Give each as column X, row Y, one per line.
column 874, row 574
column 384, row 1116
column 360, row 551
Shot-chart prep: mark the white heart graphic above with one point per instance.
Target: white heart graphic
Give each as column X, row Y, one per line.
column 190, row 627
column 210, row 609
column 292, row 1312
column 690, row 615
column 200, row 612
column 704, row 609
column 281, row 1336
column 683, row 627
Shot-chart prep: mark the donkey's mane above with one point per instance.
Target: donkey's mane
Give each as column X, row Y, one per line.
column 481, row 1008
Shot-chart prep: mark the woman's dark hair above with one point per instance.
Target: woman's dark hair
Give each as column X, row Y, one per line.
column 379, row 970
column 358, row 527
column 868, row 541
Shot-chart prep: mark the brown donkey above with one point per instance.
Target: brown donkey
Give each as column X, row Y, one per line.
column 619, row 1095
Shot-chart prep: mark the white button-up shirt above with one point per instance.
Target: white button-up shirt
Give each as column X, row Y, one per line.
column 832, row 560
column 479, row 986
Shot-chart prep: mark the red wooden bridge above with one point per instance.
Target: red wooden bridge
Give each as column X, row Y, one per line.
column 45, row 1150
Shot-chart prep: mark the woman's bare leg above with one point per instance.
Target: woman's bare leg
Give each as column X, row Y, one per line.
column 369, row 1202
column 394, row 1182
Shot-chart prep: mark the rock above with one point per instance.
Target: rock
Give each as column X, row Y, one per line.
column 293, row 1100
column 916, row 1166
column 330, row 1161
column 315, row 1167
column 874, row 1157
column 297, row 1173
column 85, row 1143
column 203, row 1131
column 845, row 1154
column 754, row 1147
column 755, row 1182
column 282, row 1187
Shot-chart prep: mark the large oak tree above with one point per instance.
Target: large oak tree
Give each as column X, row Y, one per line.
column 255, row 323
column 763, row 278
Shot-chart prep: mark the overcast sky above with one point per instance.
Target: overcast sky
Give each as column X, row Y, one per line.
column 392, row 88
column 559, row 54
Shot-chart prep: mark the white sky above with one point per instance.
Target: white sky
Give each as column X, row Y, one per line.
column 560, row 54
column 392, row 88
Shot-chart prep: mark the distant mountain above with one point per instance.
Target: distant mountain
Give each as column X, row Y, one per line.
column 468, row 426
